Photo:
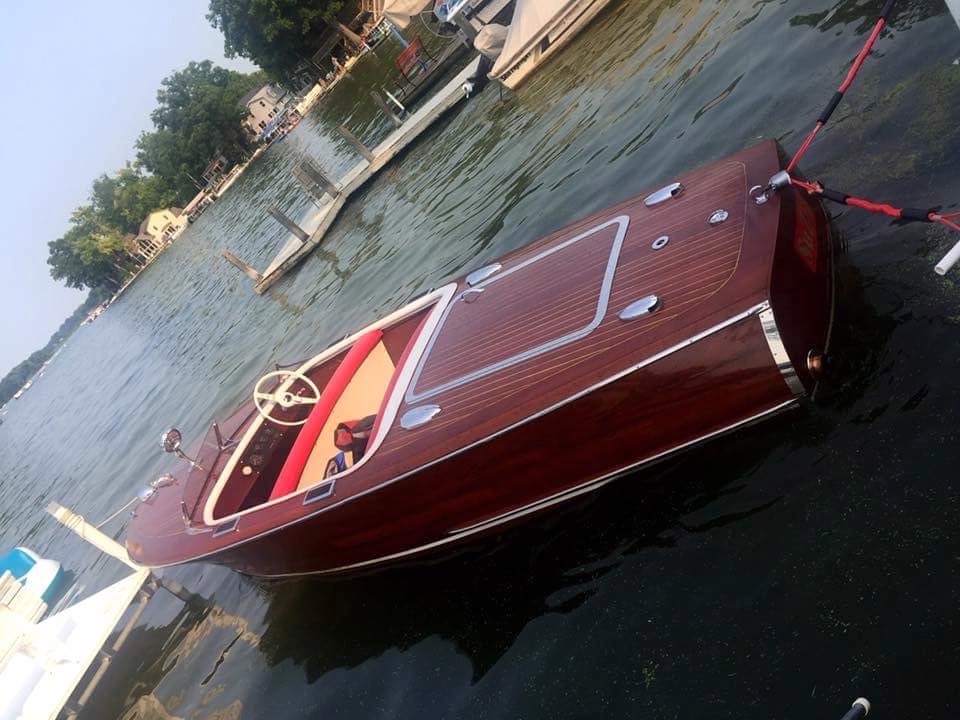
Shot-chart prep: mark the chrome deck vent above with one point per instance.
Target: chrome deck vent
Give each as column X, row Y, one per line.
column 663, row 194
column 419, row 416
column 481, row 274
column 321, row 491
column 660, row 242
column 639, row 308
column 718, row 217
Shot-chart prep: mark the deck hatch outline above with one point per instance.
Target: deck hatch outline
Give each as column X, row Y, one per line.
column 621, row 222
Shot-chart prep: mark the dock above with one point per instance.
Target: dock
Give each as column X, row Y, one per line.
column 43, row 661
column 301, row 243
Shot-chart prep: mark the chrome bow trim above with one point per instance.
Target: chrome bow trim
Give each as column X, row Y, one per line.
column 779, row 352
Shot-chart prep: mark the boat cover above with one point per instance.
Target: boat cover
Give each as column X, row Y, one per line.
column 531, row 18
column 489, row 41
column 399, row 12
column 18, row 562
column 954, row 7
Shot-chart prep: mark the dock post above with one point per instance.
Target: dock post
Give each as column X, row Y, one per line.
column 81, row 527
column 468, row 33
column 355, row 142
column 242, row 266
column 289, row 224
column 314, row 181
column 382, row 104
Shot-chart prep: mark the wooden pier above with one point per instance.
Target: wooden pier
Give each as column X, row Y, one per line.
column 374, row 160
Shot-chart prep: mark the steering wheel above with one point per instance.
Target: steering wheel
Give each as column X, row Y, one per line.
column 266, row 401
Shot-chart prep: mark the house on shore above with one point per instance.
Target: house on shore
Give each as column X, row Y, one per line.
column 164, row 226
column 142, row 248
column 263, row 105
column 157, row 231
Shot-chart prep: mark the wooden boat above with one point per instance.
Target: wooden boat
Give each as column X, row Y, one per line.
column 635, row 333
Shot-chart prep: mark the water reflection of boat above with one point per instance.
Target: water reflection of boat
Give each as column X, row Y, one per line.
column 610, row 344
column 539, row 28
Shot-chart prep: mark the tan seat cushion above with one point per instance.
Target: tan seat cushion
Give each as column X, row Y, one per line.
column 360, row 398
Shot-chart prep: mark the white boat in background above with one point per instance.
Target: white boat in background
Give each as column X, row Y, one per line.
column 954, row 7
column 539, row 28
column 401, row 12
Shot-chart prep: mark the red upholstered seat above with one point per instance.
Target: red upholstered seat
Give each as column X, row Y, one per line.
column 289, row 477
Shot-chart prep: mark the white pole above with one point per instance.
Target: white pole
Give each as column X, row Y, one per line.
column 395, row 101
column 949, row 260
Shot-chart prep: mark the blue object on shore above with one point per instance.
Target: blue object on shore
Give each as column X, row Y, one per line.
column 34, row 572
column 271, row 126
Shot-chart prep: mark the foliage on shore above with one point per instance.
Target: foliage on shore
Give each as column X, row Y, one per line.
column 15, row 379
column 274, row 34
column 198, row 116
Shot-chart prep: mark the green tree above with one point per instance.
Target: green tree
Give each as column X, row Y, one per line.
column 90, row 254
column 135, row 196
column 122, row 201
column 275, row 34
column 198, row 116
column 103, row 201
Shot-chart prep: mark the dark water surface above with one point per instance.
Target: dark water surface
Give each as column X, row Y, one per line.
column 777, row 573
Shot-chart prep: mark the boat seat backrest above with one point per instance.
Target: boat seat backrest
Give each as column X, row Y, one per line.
column 289, row 476
column 361, row 398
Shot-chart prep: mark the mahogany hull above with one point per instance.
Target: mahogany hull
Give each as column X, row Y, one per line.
column 648, row 414
column 567, row 394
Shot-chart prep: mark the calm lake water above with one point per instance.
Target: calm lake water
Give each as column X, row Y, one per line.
column 777, row 573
